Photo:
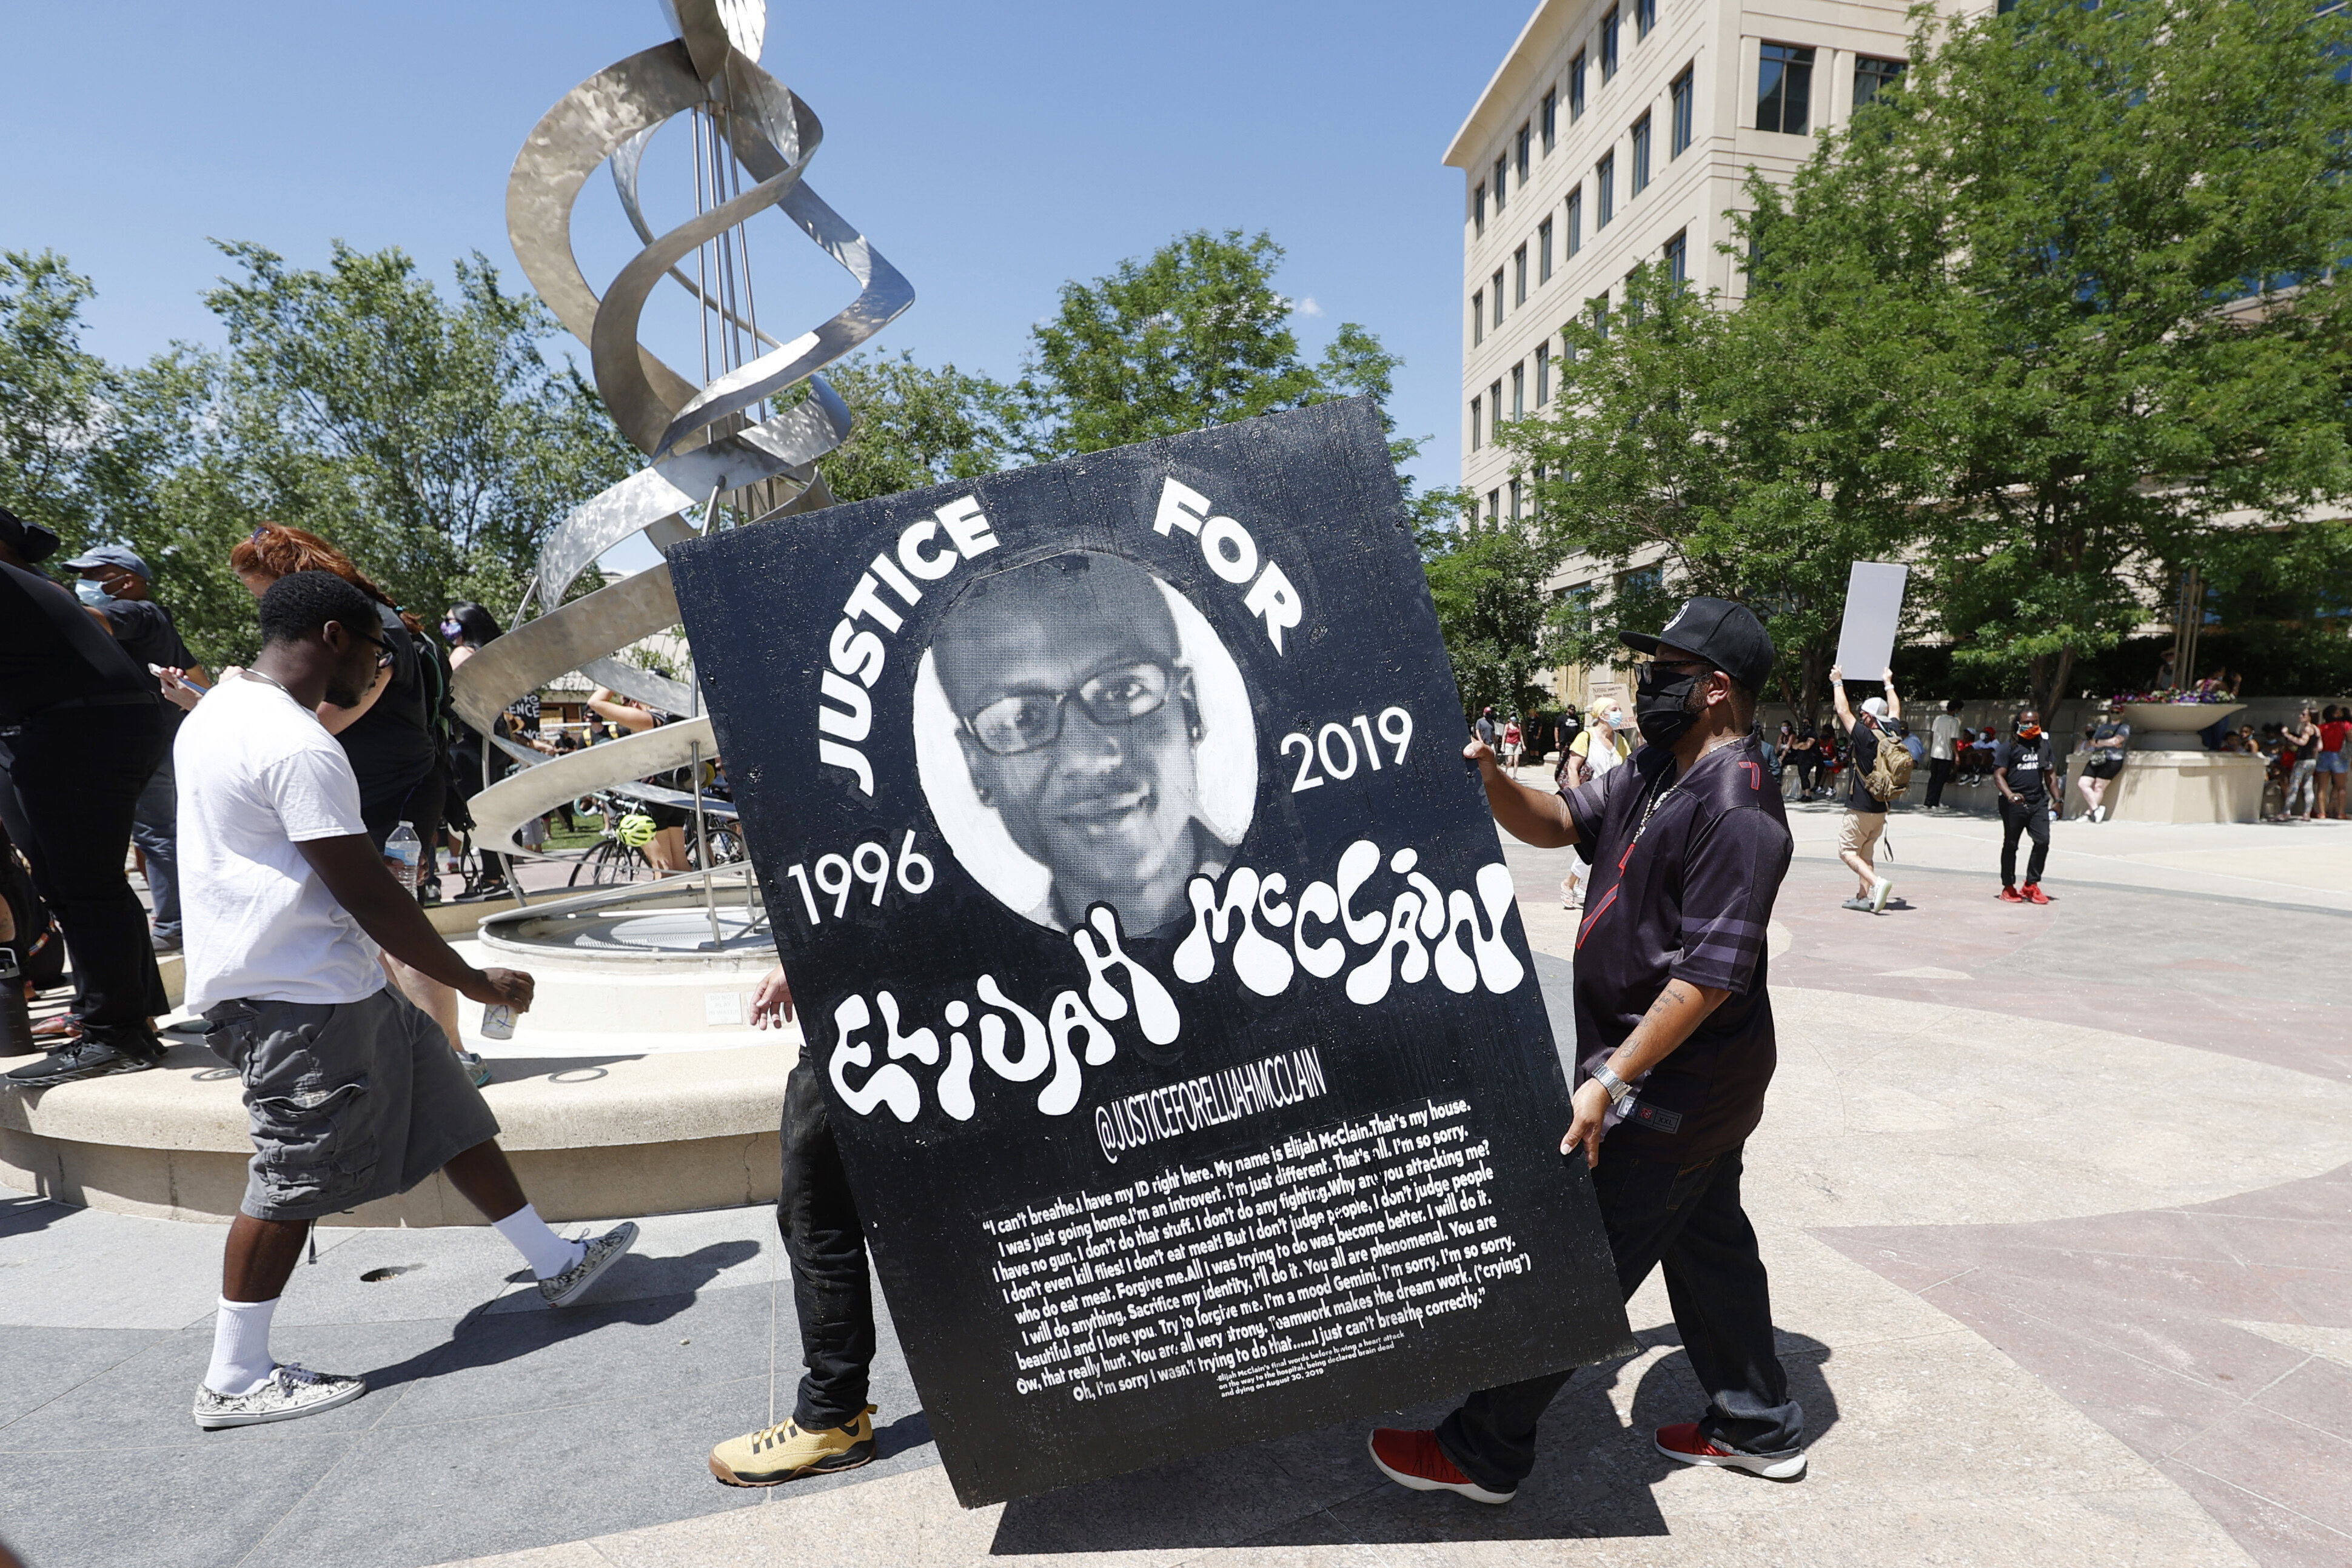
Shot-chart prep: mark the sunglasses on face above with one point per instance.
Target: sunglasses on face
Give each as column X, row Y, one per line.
column 383, row 654
column 1026, row 720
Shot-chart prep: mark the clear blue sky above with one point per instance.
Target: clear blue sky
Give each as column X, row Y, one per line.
column 991, row 152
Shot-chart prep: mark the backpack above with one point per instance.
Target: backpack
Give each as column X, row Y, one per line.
column 1890, row 769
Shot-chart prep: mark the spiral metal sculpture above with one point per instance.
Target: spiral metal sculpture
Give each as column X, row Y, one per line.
column 713, row 449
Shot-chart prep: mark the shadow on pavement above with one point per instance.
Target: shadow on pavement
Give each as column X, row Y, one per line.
column 483, row 1338
column 1593, row 1478
column 24, row 1215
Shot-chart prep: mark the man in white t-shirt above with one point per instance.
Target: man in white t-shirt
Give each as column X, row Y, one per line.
column 352, row 1093
column 1943, row 748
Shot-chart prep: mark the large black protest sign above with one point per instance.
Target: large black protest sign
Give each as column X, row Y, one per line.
column 1155, row 946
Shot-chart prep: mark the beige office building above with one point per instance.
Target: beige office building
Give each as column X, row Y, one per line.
column 1616, row 133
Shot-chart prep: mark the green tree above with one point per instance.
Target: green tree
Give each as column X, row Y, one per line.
column 1750, row 453
column 1192, row 335
column 1196, row 334
column 430, row 438
column 917, row 427
column 54, row 394
column 2128, row 219
column 1486, row 583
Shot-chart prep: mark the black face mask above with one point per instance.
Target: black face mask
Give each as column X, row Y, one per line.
column 1663, row 706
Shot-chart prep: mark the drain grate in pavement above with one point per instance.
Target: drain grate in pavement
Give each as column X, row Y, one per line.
column 390, row 1271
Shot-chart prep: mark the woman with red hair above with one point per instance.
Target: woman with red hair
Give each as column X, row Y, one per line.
column 390, row 737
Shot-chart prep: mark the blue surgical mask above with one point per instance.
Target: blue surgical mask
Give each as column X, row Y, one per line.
column 90, row 591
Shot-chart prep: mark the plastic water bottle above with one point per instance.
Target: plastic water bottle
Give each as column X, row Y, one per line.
column 403, row 855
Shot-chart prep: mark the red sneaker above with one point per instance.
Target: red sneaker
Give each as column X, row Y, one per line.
column 2034, row 894
column 1682, row 1442
column 2012, row 896
column 1413, row 1459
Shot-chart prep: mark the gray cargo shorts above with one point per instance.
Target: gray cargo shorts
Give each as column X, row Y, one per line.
column 348, row 1102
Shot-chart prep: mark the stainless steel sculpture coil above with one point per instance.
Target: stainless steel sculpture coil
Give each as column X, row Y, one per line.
column 704, row 442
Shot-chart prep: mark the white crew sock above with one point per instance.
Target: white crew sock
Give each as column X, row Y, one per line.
column 241, row 1361
column 547, row 1254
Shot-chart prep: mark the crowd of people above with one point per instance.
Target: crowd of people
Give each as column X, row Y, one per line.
column 2023, row 762
column 324, row 985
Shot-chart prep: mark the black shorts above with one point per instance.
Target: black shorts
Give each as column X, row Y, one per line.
column 2101, row 768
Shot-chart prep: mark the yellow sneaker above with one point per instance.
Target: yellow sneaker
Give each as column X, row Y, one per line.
column 778, row 1454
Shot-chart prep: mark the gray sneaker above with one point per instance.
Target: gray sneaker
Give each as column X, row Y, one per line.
column 291, row 1391
column 1862, row 904
column 604, row 1252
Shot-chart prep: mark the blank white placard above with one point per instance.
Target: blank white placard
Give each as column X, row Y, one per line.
column 1874, row 608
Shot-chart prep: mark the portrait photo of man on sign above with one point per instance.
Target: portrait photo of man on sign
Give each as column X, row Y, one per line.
column 1081, row 743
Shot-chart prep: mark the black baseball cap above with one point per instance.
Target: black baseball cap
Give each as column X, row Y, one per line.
column 1726, row 635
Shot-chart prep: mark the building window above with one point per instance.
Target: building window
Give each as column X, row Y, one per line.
column 1474, row 442
column 1648, row 581
column 1601, row 318
column 1494, row 505
column 1479, row 209
column 1576, row 220
column 1640, row 157
column 1576, row 88
column 1605, row 180
column 1502, row 167
column 1495, row 402
column 1518, row 390
column 1609, row 45
column 1632, row 299
column 1576, row 600
column 1520, row 276
column 1678, row 135
column 1551, row 119
column 1477, row 318
column 1498, row 296
column 1784, row 91
column 1522, row 151
column 1645, row 16
column 1543, row 251
column 1872, row 78
column 1678, row 259
column 1543, row 373
column 1515, row 500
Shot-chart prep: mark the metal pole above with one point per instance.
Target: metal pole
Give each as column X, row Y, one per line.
column 702, row 837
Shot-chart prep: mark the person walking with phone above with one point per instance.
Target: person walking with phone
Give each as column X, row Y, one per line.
column 114, row 583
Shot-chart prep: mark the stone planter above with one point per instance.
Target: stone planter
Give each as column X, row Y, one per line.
column 2173, row 726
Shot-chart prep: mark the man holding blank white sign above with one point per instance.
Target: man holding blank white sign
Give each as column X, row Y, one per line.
column 1865, row 813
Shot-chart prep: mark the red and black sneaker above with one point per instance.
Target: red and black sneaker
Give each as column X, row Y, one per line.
column 1413, row 1459
column 2010, row 895
column 2034, row 894
column 1682, row 1442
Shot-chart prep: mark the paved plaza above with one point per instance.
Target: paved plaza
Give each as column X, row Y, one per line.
column 2057, row 1202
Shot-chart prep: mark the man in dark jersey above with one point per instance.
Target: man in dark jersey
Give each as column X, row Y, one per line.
column 1675, row 1044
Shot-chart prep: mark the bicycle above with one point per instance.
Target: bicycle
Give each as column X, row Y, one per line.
column 618, row 856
